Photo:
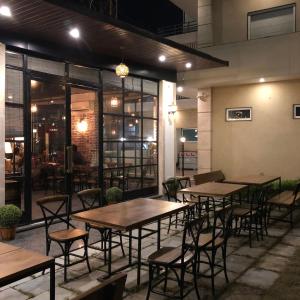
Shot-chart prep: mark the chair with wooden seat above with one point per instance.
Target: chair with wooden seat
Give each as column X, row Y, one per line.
column 57, row 209
column 110, row 289
column 252, row 216
column 285, row 199
column 212, row 241
column 171, row 187
column 176, row 259
column 92, row 198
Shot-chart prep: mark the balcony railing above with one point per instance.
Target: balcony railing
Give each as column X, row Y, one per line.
column 178, row 29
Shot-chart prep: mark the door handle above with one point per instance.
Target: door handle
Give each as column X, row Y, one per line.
column 69, row 159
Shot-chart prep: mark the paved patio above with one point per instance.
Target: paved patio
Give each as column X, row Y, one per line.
column 252, row 271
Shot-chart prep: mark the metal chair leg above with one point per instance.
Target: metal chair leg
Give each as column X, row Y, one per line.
column 85, row 240
column 150, row 281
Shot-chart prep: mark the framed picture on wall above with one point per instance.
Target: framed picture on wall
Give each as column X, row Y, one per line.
column 239, row 114
column 296, row 111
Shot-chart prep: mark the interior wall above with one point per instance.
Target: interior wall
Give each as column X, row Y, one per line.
column 268, row 144
column 186, row 119
column 2, row 123
column 230, row 23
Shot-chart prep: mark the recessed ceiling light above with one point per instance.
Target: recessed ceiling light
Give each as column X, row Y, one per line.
column 162, row 58
column 74, row 33
column 262, row 79
column 179, row 89
column 188, row 65
column 5, row 11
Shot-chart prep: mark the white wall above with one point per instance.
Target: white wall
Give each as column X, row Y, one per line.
column 167, row 132
column 2, row 123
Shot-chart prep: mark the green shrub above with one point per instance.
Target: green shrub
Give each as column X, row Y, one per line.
column 286, row 185
column 114, row 195
column 10, row 216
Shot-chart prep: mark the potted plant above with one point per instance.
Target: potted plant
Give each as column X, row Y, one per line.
column 10, row 216
column 114, row 195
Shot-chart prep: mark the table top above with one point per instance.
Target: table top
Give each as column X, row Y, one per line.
column 214, row 189
column 19, row 261
column 253, row 179
column 4, row 248
column 130, row 214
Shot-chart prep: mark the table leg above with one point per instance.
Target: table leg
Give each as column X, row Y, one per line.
column 139, row 256
column 158, row 234
column 52, row 282
column 130, row 248
column 109, row 251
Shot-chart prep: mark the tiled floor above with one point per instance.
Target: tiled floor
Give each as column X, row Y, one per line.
column 252, row 271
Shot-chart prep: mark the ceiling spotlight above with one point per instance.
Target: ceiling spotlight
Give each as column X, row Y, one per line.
column 5, row 11
column 162, row 58
column 180, row 89
column 188, row 65
column 74, row 33
column 262, row 80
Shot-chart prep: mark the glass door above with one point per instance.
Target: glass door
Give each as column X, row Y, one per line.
column 48, row 141
column 84, row 141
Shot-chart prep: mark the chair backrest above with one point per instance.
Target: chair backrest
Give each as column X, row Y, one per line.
column 296, row 191
column 110, row 289
column 216, row 176
column 184, row 182
column 55, row 208
column 222, row 224
column 171, row 187
column 191, row 235
column 90, row 198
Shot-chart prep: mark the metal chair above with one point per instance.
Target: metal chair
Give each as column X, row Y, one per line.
column 213, row 240
column 180, row 258
column 56, row 209
column 92, row 198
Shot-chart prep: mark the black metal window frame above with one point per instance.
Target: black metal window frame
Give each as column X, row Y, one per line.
column 69, row 82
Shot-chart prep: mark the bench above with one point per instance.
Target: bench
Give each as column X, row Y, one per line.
column 286, row 199
column 215, row 176
column 110, row 289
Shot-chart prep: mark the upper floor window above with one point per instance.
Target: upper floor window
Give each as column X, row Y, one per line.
column 270, row 22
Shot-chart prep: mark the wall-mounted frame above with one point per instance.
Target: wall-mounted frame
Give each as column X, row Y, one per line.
column 296, row 111
column 239, row 114
column 191, row 134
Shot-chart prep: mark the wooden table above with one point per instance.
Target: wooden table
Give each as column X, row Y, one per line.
column 254, row 180
column 130, row 215
column 17, row 263
column 214, row 189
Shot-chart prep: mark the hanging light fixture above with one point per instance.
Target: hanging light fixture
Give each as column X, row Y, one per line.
column 122, row 70
column 82, row 126
column 34, row 108
column 114, row 102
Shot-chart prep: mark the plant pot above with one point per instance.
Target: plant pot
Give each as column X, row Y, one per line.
column 8, row 234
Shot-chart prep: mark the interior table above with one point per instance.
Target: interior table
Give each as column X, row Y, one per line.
column 17, row 263
column 128, row 216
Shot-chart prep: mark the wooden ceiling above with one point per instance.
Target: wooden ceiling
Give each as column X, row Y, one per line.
column 51, row 21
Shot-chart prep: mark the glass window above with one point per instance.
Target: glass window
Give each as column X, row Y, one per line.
column 46, row 66
column 149, row 153
column 150, row 176
column 150, row 130
column 132, row 154
column 14, row 59
column 13, row 122
column 132, row 128
column 14, row 86
column 112, row 93
column 114, row 177
column 150, row 91
column 113, row 155
column 271, row 22
column 83, row 73
column 133, row 178
column 132, row 96
column 113, row 128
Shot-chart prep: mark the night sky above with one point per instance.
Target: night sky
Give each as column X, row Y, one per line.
column 149, row 14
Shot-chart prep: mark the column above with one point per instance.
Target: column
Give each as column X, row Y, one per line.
column 167, row 132
column 2, row 124
column 204, row 130
column 205, row 34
